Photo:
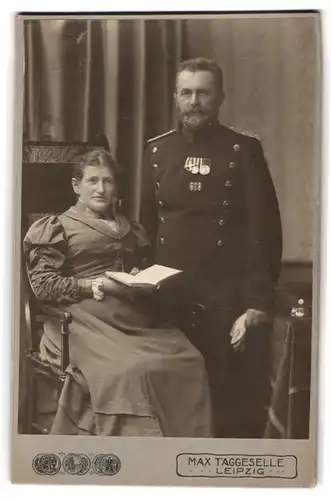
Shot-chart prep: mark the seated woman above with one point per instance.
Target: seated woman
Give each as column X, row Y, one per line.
column 130, row 373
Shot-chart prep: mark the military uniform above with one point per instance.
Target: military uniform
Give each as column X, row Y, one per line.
column 209, row 207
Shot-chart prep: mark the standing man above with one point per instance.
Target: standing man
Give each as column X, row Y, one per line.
column 209, row 207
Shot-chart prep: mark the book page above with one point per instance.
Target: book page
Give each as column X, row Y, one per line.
column 127, row 279
column 151, row 276
column 155, row 274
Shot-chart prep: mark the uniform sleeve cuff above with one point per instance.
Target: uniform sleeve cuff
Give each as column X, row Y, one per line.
column 259, row 303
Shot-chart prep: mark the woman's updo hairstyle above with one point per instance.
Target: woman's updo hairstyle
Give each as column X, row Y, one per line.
column 95, row 157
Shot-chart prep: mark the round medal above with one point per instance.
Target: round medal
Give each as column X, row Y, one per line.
column 204, row 169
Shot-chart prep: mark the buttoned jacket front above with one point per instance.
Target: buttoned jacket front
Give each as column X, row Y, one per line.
column 209, row 207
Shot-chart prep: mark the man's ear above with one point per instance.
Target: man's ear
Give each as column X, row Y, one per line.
column 221, row 98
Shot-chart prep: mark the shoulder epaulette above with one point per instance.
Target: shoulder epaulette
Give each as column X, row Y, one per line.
column 161, row 135
column 246, row 132
column 251, row 134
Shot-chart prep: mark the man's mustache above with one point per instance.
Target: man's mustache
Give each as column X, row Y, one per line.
column 193, row 111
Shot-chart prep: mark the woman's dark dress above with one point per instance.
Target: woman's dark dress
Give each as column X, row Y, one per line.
column 129, row 373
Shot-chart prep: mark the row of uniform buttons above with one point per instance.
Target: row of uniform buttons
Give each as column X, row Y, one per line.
column 219, row 243
column 228, row 184
column 160, row 202
column 162, row 220
column 236, row 147
column 225, row 203
column 221, row 222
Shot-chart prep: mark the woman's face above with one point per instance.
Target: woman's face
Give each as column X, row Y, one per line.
column 96, row 189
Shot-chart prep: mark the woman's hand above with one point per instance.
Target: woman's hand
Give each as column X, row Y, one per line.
column 97, row 289
column 135, row 290
column 112, row 287
column 105, row 285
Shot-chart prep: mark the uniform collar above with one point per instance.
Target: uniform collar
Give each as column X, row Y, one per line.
column 197, row 135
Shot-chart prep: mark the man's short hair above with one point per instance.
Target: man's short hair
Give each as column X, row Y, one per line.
column 203, row 64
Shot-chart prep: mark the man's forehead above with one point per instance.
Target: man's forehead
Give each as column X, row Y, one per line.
column 187, row 78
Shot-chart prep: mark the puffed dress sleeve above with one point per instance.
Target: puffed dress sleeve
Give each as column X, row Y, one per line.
column 45, row 250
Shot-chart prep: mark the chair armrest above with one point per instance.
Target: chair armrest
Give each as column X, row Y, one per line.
column 65, row 318
column 53, row 312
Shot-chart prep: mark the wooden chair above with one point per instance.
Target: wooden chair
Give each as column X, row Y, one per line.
column 46, row 190
column 37, row 369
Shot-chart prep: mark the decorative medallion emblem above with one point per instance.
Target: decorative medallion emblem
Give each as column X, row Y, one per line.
column 46, row 464
column 76, row 464
column 106, row 464
column 197, row 165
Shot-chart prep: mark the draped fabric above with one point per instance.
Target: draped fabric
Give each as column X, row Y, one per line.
column 91, row 77
column 149, row 53
column 65, row 71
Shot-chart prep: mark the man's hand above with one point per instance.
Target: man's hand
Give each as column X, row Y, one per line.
column 252, row 317
column 238, row 333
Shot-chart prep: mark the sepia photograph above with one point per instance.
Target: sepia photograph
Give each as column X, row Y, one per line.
column 167, row 248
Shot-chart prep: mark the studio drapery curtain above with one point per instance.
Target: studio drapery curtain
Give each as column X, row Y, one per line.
column 91, row 77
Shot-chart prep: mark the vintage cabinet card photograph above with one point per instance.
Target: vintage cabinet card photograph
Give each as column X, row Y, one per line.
column 167, row 249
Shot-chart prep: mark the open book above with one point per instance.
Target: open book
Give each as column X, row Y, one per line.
column 152, row 276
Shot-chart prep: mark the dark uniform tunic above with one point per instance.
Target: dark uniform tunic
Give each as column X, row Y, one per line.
column 210, row 208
